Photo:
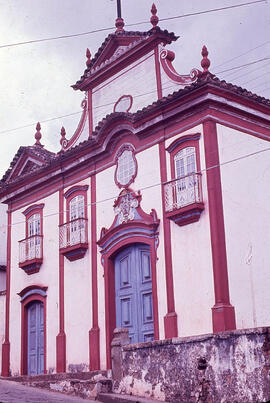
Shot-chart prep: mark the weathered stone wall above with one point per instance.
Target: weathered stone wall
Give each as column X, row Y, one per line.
column 227, row 367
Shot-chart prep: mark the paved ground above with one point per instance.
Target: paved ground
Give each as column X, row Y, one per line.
column 13, row 392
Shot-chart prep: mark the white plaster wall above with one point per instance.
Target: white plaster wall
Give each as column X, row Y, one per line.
column 106, row 189
column 148, row 175
column 3, row 234
column 78, row 303
column 192, row 263
column 136, row 80
column 2, row 322
column 47, row 276
column 2, row 280
column 246, row 195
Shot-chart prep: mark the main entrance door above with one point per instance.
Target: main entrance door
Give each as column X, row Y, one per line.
column 35, row 358
column 133, row 291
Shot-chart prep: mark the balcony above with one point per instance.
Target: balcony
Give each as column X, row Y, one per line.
column 183, row 199
column 31, row 254
column 73, row 239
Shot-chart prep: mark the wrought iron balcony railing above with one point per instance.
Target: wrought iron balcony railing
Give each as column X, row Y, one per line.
column 31, row 253
column 73, row 238
column 183, row 198
column 183, row 191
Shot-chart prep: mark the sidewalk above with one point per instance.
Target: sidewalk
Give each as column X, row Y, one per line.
column 13, row 392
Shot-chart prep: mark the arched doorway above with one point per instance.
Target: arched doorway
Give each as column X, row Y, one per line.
column 35, row 338
column 133, row 292
column 33, row 330
column 131, row 230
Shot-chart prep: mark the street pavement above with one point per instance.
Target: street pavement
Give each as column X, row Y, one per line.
column 13, row 392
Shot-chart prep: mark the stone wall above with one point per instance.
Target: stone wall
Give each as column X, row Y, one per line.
column 227, row 367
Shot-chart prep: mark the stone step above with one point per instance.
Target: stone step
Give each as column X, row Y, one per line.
column 56, row 377
column 117, row 398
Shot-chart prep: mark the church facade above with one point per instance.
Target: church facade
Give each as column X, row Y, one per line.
column 152, row 216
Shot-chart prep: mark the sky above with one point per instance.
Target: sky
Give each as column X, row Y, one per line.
column 35, row 78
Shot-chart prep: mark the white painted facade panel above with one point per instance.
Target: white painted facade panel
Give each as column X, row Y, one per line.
column 2, row 322
column 78, row 301
column 106, row 193
column 3, row 234
column 137, row 80
column 246, row 192
column 47, row 276
column 148, row 182
column 192, row 262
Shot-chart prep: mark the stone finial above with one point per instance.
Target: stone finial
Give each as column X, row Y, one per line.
column 205, row 63
column 154, row 18
column 88, row 57
column 38, row 135
column 119, row 23
column 63, row 140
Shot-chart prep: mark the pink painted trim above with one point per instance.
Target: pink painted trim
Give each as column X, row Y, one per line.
column 123, row 148
column 90, row 112
column 158, row 74
column 24, row 329
column 124, row 96
column 110, row 314
column 22, row 160
column 75, row 189
column 170, row 327
column 128, row 58
column 32, row 287
column 61, row 337
column 221, row 319
column 94, row 341
column 6, row 344
column 31, row 209
column 166, row 58
column 73, row 192
column 181, row 143
column 35, row 209
column 141, row 141
column 69, row 143
column 111, row 243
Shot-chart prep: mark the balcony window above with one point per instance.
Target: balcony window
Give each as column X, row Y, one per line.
column 73, row 235
column 183, row 194
column 31, row 247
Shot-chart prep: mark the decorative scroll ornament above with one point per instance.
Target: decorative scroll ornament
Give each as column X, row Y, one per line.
column 65, row 143
column 166, row 58
column 125, row 206
column 123, row 104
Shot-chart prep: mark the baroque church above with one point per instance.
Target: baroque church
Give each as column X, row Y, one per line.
column 152, row 216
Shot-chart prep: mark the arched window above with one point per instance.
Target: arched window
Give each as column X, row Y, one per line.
column 77, row 207
column 183, row 193
column 34, row 225
column 31, row 253
column 73, row 233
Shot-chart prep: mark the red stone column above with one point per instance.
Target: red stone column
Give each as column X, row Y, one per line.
column 170, row 320
column 6, row 344
column 61, row 337
column 223, row 315
column 94, row 346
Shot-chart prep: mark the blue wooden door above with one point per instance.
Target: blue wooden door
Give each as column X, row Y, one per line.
column 133, row 291
column 35, row 339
